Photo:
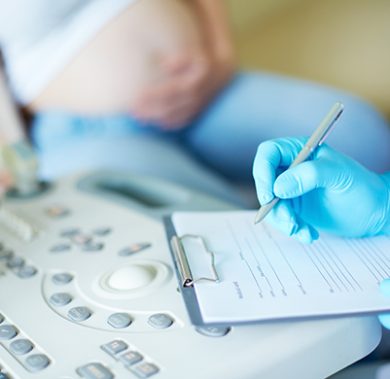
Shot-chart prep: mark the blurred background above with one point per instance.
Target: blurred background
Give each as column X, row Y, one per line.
column 344, row 43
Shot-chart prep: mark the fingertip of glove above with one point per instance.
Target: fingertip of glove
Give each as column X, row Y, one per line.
column 385, row 286
column 385, row 320
column 265, row 198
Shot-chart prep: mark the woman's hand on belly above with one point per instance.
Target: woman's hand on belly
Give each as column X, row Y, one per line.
column 191, row 80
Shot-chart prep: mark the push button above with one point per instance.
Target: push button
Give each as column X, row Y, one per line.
column 114, row 347
column 7, row 332
column 21, row 347
column 6, row 254
column 102, row 232
column 145, row 370
column 79, row 314
column 93, row 246
column 131, row 358
column 57, row 211
column 62, row 278
column 60, row 248
column 68, row 233
column 134, row 248
column 94, row 371
column 37, row 362
column 160, row 321
column 212, row 331
column 26, row 272
column 60, row 299
column 15, row 262
column 119, row 320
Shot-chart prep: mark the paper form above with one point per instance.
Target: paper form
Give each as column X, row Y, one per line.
column 267, row 275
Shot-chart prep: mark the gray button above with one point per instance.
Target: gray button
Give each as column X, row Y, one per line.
column 145, row 370
column 7, row 332
column 62, row 278
column 57, row 211
column 1, row 318
column 60, row 248
column 21, row 347
column 6, row 254
column 120, row 320
column 70, row 232
column 134, row 248
column 26, row 272
column 79, row 314
column 15, row 262
column 131, row 358
column 114, row 347
column 94, row 371
column 60, row 299
column 81, row 239
column 160, row 321
column 93, row 246
column 102, row 232
column 212, row 331
column 36, row 362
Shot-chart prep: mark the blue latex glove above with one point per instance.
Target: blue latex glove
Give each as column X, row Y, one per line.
column 329, row 192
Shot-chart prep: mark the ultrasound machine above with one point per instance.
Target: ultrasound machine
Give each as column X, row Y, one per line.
column 88, row 290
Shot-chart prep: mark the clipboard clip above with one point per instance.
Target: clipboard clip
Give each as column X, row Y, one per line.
column 183, row 265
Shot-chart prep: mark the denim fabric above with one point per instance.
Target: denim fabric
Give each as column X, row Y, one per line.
column 218, row 148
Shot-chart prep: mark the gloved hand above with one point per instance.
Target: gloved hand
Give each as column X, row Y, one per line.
column 329, row 192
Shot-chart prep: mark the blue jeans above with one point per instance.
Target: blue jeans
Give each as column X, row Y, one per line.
column 218, row 148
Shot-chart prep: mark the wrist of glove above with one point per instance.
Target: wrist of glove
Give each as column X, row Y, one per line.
column 330, row 192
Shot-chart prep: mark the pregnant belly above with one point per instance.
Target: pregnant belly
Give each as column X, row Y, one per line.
column 123, row 58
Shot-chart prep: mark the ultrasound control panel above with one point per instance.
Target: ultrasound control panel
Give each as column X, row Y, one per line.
column 88, row 290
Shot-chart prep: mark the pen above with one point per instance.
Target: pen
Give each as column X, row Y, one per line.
column 316, row 140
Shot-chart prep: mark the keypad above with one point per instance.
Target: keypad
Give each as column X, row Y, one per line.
column 17, row 264
column 132, row 359
column 81, row 240
column 21, row 348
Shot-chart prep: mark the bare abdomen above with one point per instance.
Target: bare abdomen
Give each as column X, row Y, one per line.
column 123, row 58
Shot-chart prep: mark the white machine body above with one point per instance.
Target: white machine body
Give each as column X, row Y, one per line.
column 88, row 290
